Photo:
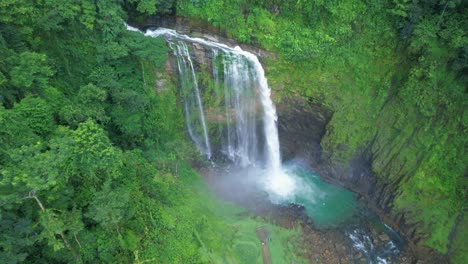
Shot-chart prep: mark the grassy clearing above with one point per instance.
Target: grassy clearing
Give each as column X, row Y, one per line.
column 243, row 245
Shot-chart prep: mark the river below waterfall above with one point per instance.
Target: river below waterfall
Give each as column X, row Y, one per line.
column 337, row 227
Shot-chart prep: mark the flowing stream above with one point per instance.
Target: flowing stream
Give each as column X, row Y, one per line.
column 238, row 106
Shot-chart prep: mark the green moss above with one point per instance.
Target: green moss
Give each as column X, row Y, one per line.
column 247, row 251
column 246, row 247
column 436, row 213
column 240, row 243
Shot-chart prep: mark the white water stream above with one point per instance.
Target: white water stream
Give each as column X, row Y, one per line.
column 192, row 99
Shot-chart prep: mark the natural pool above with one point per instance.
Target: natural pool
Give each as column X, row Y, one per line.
column 334, row 207
column 328, row 205
column 331, row 210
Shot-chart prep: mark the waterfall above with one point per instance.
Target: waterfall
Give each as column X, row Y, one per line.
column 192, row 99
column 240, row 103
column 246, row 105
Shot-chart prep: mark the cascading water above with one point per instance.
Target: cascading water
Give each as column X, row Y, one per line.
column 246, row 90
column 193, row 106
column 240, row 103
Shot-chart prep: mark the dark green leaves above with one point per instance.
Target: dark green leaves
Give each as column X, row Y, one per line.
column 93, row 153
column 32, row 73
column 37, row 114
column 110, row 207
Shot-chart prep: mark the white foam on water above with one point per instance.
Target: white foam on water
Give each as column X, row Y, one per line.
column 281, row 186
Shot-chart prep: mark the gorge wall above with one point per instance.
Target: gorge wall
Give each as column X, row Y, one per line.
column 387, row 167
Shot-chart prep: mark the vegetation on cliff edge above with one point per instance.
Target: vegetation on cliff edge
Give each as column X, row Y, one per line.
column 395, row 75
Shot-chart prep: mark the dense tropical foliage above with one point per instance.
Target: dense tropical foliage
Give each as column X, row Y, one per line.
column 93, row 161
column 93, row 158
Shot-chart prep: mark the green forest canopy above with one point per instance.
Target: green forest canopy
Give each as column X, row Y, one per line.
column 89, row 171
column 89, row 167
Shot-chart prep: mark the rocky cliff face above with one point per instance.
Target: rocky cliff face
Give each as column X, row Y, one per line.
column 302, row 126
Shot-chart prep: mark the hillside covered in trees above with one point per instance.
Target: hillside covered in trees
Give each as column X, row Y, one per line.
column 95, row 163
